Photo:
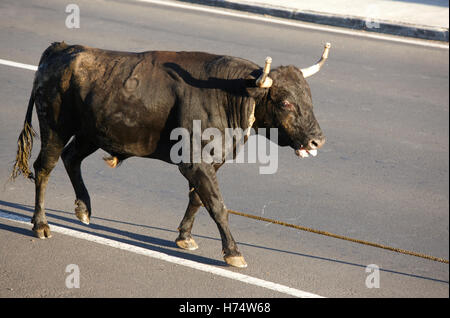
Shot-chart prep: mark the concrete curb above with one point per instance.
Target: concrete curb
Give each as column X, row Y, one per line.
column 352, row 22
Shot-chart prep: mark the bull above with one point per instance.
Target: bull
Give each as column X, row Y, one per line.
column 128, row 103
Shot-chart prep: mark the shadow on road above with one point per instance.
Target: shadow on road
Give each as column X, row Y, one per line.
column 154, row 243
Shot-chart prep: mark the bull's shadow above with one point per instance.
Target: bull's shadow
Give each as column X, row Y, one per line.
column 135, row 239
column 154, row 243
column 235, row 87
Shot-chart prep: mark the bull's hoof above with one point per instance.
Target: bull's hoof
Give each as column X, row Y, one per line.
column 83, row 216
column 81, row 212
column 42, row 231
column 236, row 261
column 186, row 244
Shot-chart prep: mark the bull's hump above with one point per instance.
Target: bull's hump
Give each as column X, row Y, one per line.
column 182, row 57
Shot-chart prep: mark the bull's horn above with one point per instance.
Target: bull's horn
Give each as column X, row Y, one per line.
column 265, row 81
column 309, row 71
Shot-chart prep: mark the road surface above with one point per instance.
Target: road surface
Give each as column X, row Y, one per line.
column 382, row 176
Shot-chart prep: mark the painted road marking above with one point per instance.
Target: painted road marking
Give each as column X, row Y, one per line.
column 167, row 258
column 19, row 65
column 298, row 24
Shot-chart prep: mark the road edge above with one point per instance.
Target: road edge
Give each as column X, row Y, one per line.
column 346, row 21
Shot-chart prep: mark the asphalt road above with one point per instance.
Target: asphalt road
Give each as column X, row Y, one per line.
column 383, row 175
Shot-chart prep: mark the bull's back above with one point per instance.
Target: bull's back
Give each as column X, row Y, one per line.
column 119, row 100
column 127, row 103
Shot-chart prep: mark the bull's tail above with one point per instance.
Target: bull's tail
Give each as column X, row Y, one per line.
column 25, row 145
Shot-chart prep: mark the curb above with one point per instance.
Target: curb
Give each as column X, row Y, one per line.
column 352, row 22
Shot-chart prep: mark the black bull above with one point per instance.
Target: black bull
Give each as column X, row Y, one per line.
column 128, row 103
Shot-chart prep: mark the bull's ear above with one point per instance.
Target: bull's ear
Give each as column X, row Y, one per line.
column 264, row 81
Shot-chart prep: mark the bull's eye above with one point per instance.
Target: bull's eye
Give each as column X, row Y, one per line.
column 287, row 105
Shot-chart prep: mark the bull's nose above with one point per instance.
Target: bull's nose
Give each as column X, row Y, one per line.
column 316, row 143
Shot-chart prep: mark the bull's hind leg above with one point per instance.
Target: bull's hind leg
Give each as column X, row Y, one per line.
column 51, row 148
column 184, row 239
column 72, row 156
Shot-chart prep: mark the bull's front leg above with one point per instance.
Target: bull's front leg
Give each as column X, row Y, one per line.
column 202, row 177
column 184, row 239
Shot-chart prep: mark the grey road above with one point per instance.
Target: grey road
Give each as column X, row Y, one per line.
column 383, row 175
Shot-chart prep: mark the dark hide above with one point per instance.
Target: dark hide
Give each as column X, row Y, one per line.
column 128, row 103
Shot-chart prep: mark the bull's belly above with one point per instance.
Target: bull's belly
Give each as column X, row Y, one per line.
column 123, row 128
column 126, row 141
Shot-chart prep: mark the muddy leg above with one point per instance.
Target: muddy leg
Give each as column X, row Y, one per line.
column 48, row 157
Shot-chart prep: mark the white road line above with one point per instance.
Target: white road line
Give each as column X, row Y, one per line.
column 19, row 65
column 297, row 24
column 167, row 258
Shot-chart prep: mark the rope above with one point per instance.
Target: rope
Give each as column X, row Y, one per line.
column 341, row 237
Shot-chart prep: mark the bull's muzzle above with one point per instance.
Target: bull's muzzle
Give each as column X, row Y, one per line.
column 316, row 143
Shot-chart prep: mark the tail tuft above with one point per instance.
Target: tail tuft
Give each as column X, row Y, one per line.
column 24, row 147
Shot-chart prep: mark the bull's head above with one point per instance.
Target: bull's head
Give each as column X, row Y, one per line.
column 288, row 106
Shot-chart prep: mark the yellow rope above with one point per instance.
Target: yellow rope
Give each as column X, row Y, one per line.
column 341, row 237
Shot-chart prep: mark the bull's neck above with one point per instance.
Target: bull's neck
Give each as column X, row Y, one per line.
column 262, row 113
column 247, row 103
